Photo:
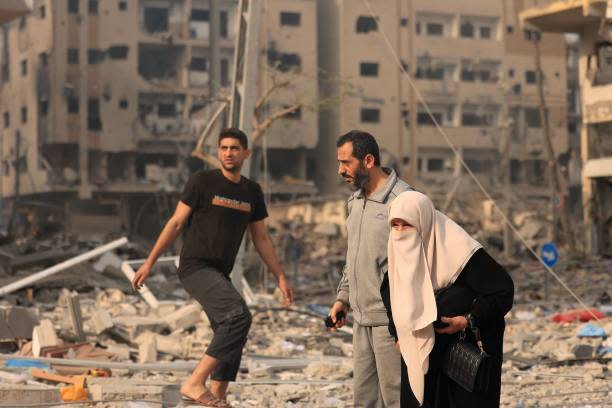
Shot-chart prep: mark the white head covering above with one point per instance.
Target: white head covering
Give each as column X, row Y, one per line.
column 422, row 259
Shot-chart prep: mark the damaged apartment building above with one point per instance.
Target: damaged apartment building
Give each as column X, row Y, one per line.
column 474, row 67
column 96, row 99
column 592, row 21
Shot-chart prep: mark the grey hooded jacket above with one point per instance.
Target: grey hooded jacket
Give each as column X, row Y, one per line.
column 366, row 256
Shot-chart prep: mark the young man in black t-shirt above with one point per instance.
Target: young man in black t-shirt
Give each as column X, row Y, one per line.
column 217, row 207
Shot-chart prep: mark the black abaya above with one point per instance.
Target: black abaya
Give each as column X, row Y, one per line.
column 493, row 290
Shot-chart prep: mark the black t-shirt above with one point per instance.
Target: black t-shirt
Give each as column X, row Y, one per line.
column 221, row 211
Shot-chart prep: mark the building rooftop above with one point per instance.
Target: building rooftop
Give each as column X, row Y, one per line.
column 564, row 16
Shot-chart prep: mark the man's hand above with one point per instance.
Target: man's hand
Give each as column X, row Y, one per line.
column 140, row 276
column 286, row 291
column 333, row 312
column 455, row 324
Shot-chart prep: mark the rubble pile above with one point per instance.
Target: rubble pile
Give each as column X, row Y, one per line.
column 96, row 339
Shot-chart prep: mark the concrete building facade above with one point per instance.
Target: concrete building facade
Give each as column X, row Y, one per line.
column 474, row 69
column 592, row 21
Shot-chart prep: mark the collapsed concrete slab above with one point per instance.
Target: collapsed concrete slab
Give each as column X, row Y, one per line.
column 43, row 336
column 17, row 394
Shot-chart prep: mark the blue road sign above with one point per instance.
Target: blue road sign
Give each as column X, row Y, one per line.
column 549, row 254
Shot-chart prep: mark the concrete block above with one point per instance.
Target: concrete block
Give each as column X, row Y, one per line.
column 185, row 317
column 101, row 321
column 111, row 388
column 121, row 351
column 43, row 336
column 147, row 349
column 16, row 394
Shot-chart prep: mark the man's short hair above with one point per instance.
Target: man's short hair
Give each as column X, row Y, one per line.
column 234, row 133
column 363, row 144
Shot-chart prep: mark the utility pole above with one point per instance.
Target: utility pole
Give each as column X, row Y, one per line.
column 505, row 168
column 553, row 170
column 84, row 188
column 244, row 94
column 412, row 110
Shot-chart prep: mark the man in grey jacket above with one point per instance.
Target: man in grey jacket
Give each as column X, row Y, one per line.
column 377, row 362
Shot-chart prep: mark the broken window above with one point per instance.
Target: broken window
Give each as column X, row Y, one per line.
column 435, row 29
column 369, row 69
column 283, row 62
column 603, row 74
column 73, row 6
column 199, row 64
column 223, row 24
column 290, row 19
column 73, row 105
column 158, row 62
column 532, row 117
column 467, row 29
column 42, row 11
column 93, row 114
column 473, row 115
column 166, row 110
column 530, row 77
column 370, row 115
column 24, row 114
column 485, row 32
column 200, row 15
column 73, row 56
column 365, row 24
column 7, row 120
column 155, row 19
column 425, row 119
column 225, row 72
column 94, row 56
column 122, row 5
column 404, row 22
column 24, row 67
column 93, row 6
column 118, row 52
column 123, row 104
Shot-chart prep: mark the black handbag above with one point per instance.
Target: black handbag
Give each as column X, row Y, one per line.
column 468, row 364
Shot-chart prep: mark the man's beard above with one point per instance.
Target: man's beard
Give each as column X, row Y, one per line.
column 360, row 179
column 232, row 169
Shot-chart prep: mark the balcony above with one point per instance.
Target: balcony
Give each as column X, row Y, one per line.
column 12, row 9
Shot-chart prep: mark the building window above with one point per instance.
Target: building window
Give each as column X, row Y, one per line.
column 23, row 23
column 467, row 30
column 417, row 28
column 225, row 72
column 510, row 73
column 122, row 5
column 118, row 52
column 530, row 77
column 43, row 57
column 435, row 165
column 43, row 107
column 295, row 114
column 73, row 6
column 73, row 105
column 485, row 32
column 404, row 22
column 198, row 64
column 166, row 110
column 7, row 120
column 284, row 62
column 156, row 19
column 290, row 19
column 93, row 114
column 24, row 114
column 94, row 56
column 42, row 11
column 435, row 29
column 509, row 29
column 368, row 69
column 365, row 24
column 24, row 67
column 533, row 118
column 93, row 6
column 223, row 24
column 370, row 115
column 73, row 56
column 425, row 119
column 200, row 15
column 123, row 104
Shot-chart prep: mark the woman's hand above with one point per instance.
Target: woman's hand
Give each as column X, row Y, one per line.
column 455, row 324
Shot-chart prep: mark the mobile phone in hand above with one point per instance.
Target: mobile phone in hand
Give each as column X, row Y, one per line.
column 329, row 322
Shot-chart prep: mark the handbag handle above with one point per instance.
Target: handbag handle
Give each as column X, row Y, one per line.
column 475, row 331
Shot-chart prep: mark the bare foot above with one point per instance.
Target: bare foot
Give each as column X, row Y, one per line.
column 193, row 391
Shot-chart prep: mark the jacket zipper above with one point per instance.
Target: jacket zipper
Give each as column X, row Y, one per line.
column 357, row 251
